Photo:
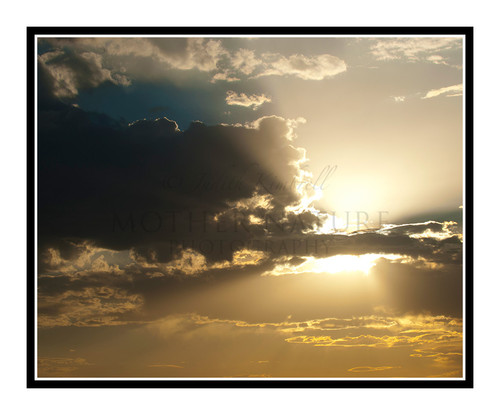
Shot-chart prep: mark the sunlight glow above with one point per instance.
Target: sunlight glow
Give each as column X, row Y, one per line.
column 332, row 265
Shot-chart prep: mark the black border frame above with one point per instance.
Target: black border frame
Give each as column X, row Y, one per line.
column 32, row 382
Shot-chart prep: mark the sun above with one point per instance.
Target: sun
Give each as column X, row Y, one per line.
column 332, row 265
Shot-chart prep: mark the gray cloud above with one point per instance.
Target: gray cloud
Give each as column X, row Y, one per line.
column 141, row 185
column 73, row 72
column 81, row 63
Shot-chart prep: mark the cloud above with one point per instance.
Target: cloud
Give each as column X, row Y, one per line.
column 73, row 72
column 201, row 345
column 103, row 279
column 401, row 340
column 192, row 263
column 334, row 264
column 82, row 63
column 143, row 212
column 449, row 91
column 361, row 369
column 399, row 99
column 245, row 61
column 411, row 328
column 88, row 307
column 246, row 64
column 254, row 101
column 78, row 64
column 437, row 339
column 59, row 366
column 177, row 53
column 437, row 59
column 207, row 173
column 75, row 257
column 414, row 49
column 224, row 76
column 316, row 67
column 405, row 285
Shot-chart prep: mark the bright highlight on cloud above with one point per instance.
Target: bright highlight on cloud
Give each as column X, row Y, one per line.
column 449, row 91
column 243, row 100
column 304, row 67
column 332, row 265
column 414, row 49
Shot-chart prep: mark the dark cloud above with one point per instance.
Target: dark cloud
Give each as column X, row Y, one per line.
column 403, row 286
column 136, row 186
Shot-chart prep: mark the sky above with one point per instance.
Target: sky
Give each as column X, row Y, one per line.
column 250, row 207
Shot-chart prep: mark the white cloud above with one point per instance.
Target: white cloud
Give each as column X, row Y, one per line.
column 201, row 54
column 449, row 91
column 245, row 61
column 244, row 100
column 436, row 59
column 414, row 49
column 305, row 67
column 224, row 76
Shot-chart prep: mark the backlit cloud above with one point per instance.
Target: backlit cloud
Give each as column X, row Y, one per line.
column 243, row 100
column 449, row 91
column 245, row 61
column 414, row 49
column 203, row 172
column 362, row 369
column 304, row 67
column 87, row 307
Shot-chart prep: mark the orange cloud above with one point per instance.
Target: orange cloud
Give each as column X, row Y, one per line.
column 371, row 368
